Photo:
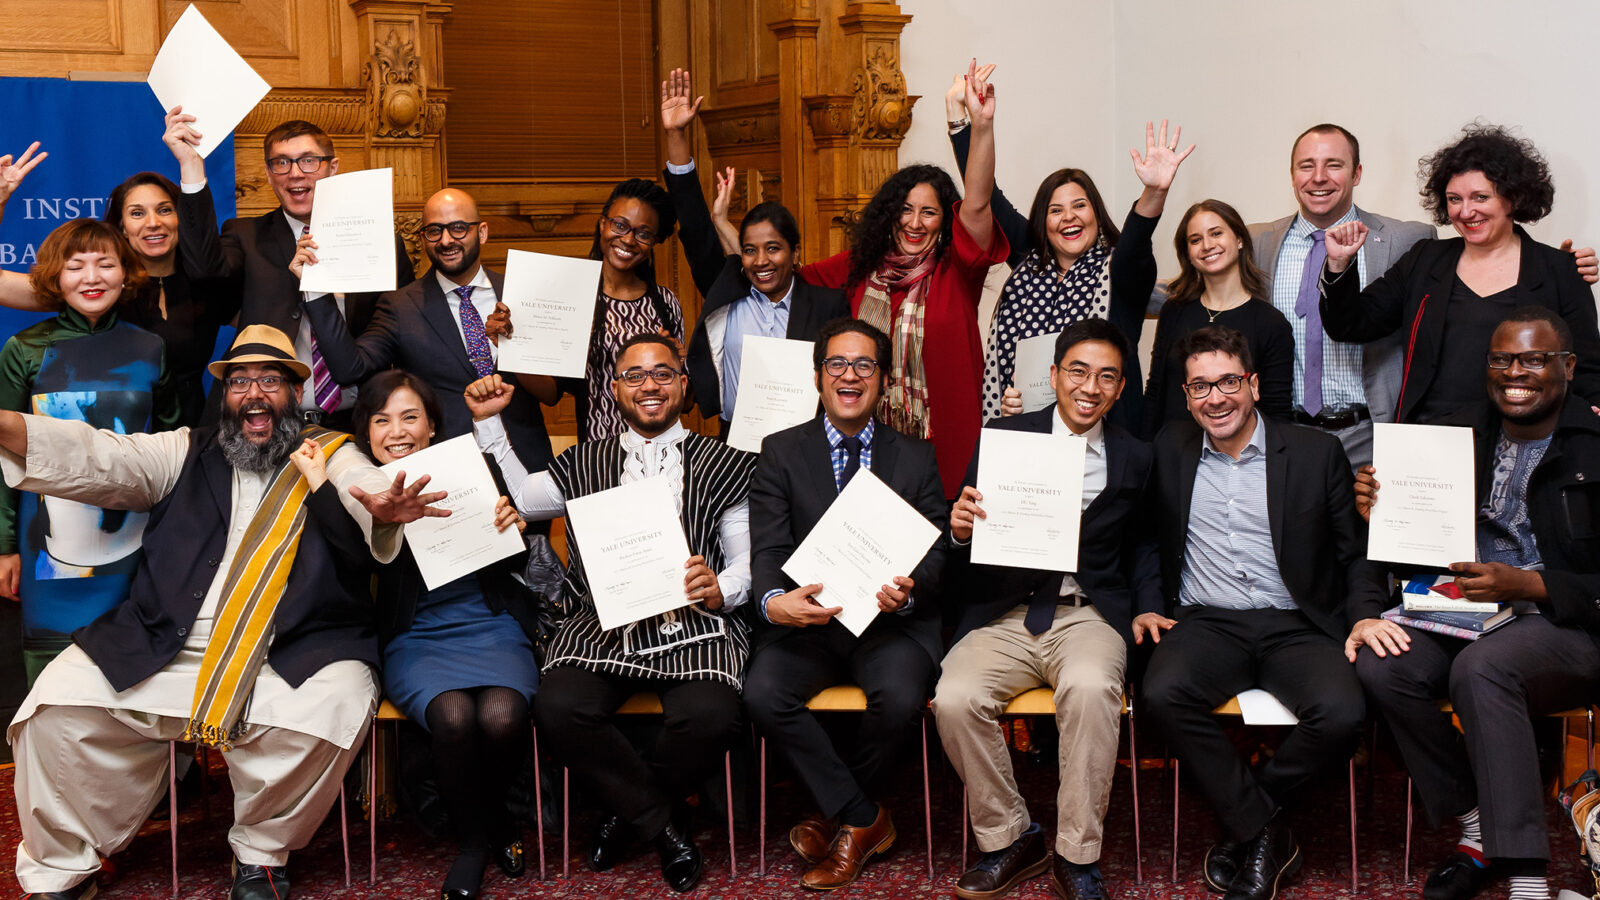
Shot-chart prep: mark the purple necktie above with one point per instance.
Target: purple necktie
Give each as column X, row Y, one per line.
column 323, row 388
column 1306, row 307
column 478, row 349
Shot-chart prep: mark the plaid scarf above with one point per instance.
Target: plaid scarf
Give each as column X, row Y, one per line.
column 905, row 404
column 250, row 596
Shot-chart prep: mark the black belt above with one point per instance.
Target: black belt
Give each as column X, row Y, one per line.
column 1333, row 421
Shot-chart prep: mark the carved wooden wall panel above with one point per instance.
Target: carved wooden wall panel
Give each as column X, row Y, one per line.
column 76, row 27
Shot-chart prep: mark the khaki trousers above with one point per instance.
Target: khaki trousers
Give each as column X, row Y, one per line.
column 1083, row 660
column 88, row 777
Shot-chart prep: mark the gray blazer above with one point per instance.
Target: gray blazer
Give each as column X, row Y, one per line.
column 1388, row 239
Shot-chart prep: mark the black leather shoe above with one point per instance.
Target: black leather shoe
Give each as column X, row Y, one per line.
column 611, row 843
column 1269, row 858
column 83, row 890
column 1073, row 881
column 1222, row 865
column 996, row 873
column 1459, row 877
column 259, row 882
column 457, row 894
column 510, row 860
column 681, row 861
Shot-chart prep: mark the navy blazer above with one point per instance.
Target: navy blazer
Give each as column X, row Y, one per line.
column 793, row 486
column 412, row 329
column 1118, row 567
column 1317, row 537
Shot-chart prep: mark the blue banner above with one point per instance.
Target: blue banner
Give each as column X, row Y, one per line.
column 97, row 134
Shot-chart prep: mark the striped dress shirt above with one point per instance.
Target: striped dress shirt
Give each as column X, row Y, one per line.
column 1341, row 362
column 1228, row 561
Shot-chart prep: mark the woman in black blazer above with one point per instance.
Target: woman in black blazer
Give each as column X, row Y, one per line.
column 1450, row 295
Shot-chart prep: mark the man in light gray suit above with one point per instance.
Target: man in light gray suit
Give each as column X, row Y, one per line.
column 1351, row 385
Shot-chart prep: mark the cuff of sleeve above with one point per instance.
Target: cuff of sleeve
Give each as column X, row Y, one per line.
column 765, row 599
column 736, row 590
column 958, row 542
column 684, row 169
column 488, row 429
column 911, row 603
column 192, row 187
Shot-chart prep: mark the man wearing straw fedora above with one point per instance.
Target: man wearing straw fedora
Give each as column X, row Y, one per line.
column 248, row 627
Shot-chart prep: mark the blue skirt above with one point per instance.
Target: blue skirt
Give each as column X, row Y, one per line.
column 456, row 643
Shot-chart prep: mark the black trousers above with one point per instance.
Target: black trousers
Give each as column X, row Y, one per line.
column 1213, row 654
column 574, row 709
column 1498, row 684
column 894, row 671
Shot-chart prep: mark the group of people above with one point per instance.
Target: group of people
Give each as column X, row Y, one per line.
column 189, row 565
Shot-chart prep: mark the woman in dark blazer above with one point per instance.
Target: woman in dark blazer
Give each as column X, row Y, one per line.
column 1450, row 295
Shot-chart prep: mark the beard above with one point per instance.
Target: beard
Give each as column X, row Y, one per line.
column 266, row 457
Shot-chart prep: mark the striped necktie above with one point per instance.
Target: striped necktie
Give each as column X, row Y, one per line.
column 323, row 387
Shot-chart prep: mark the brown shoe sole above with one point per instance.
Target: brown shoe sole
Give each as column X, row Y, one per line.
column 882, row 848
column 1004, row 889
column 810, row 859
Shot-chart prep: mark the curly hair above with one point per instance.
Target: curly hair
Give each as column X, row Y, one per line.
column 652, row 195
column 1039, row 215
column 83, row 236
column 1189, row 284
column 1513, row 165
column 873, row 237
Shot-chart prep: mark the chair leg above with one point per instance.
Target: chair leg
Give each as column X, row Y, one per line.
column 1354, row 883
column 966, row 828
column 927, row 796
column 1405, row 876
column 1175, row 776
column 761, row 815
column 1133, row 770
column 372, row 804
column 203, row 757
column 538, row 800
column 727, row 774
column 344, row 836
column 566, row 821
column 1590, row 718
column 172, row 808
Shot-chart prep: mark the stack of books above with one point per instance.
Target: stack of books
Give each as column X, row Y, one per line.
column 1432, row 603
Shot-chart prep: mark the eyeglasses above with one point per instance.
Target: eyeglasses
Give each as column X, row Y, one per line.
column 863, row 366
column 1228, row 384
column 269, row 384
column 279, row 165
column 660, row 375
column 621, row 226
column 1107, row 378
column 457, row 230
column 1528, row 359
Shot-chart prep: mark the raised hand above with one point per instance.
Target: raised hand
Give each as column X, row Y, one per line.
column 1011, row 402
column 308, row 459
column 979, row 96
column 1161, row 157
column 400, row 504
column 305, row 254
column 1343, row 242
column 721, row 203
column 955, row 99
column 181, row 138
column 12, row 171
column 488, row 396
column 700, row 583
column 677, row 109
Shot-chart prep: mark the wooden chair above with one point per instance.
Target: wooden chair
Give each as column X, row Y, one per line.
column 642, row 704
column 1040, row 701
column 1231, row 708
column 846, row 698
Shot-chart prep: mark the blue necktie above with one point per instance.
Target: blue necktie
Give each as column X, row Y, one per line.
column 478, row 347
column 1307, row 307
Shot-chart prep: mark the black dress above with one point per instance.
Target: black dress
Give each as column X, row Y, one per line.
column 196, row 310
column 1271, row 343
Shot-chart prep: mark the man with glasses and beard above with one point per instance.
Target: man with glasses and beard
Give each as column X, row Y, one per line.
column 434, row 329
column 690, row 657
column 1538, row 539
column 248, row 627
column 1261, row 563
column 263, row 256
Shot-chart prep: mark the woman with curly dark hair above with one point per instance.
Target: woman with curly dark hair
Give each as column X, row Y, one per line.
column 1218, row 283
column 915, row 269
column 1450, row 295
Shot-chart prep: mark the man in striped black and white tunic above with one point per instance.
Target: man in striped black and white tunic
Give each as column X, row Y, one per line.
column 691, row 657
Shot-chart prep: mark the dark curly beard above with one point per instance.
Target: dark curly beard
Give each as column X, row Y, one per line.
column 242, row 453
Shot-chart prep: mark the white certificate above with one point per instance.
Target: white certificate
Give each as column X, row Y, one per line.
column 551, row 299
column 1425, row 510
column 777, row 389
column 1257, row 707
column 867, row 537
column 352, row 221
column 1032, row 487
column 633, row 550
column 466, row 540
column 1031, row 375
column 196, row 69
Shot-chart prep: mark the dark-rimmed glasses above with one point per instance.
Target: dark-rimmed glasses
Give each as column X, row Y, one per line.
column 1107, row 378
column 1528, row 359
column 864, row 366
column 1228, row 384
column 279, row 165
column 269, row 384
column 660, row 375
column 458, row 230
column 620, row 226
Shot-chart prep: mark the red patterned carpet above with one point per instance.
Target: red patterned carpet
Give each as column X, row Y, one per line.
column 410, row 865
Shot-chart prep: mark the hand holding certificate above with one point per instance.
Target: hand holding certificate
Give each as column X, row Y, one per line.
column 777, row 389
column 196, row 69
column 1032, row 488
column 865, row 539
column 1031, row 374
column 352, row 221
column 551, row 299
column 1426, row 516
column 633, row 550
column 447, row 548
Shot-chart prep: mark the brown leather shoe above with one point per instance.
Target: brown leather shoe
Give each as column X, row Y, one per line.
column 851, row 849
column 813, row 836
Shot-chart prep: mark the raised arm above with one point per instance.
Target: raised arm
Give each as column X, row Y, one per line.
column 1157, row 167
column 1012, row 221
column 700, row 243
column 535, row 495
column 979, row 176
column 13, row 170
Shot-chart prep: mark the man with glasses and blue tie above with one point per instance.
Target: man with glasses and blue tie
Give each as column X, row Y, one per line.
column 263, row 256
column 434, row 329
column 800, row 648
column 1261, row 563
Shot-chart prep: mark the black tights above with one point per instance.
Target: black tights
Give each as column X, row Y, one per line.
column 480, row 737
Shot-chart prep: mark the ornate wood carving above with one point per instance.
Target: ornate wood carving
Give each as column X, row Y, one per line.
column 397, row 93
column 881, row 107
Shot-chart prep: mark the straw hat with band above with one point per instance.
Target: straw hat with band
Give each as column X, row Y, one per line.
column 261, row 344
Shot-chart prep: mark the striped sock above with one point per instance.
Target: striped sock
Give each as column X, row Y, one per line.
column 1529, row 887
column 1471, row 841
